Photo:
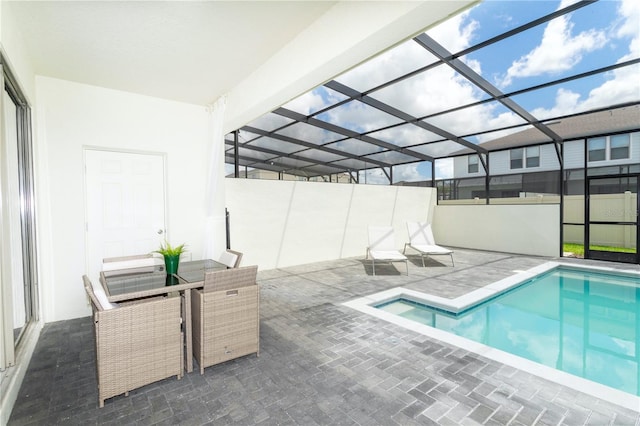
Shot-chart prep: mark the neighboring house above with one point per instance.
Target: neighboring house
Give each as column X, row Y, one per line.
column 273, row 175
column 526, row 162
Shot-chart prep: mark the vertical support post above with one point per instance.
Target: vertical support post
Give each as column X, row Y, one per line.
column 487, row 178
column 628, row 212
column 236, row 154
column 433, row 181
column 559, row 148
column 561, row 189
column 587, row 217
column 638, row 229
column 226, row 219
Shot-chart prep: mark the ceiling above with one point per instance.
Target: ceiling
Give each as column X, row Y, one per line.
column 188, row 51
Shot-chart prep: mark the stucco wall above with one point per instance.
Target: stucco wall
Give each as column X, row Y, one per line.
column 15, row 55
column 524, row 229
column 72, row 116
column 283, row 223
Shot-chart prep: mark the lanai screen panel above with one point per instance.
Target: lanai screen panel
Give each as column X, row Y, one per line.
column 499, row 68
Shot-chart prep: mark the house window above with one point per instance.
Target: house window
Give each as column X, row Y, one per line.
column 516, row 158
column 472, row 166
column 597, row 149
column 533, row 156
column 619, row 147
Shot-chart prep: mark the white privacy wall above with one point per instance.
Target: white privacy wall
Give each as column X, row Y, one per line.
column 71, row 116
column 524, row 229
column 284, row 223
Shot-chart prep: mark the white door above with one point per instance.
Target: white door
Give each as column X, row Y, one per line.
column 125, row 210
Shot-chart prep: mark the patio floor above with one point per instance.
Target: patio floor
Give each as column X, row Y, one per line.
column 322, row 363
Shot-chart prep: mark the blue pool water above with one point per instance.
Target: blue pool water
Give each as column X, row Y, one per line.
column 582, row 322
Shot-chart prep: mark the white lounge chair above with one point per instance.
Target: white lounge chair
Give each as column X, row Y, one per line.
column 421, row 240
column 382, row 247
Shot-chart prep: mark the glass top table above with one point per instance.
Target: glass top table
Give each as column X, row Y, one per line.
column 130, row 286
column 151, row 283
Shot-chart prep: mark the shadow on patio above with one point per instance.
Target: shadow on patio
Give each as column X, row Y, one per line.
column 322, row 363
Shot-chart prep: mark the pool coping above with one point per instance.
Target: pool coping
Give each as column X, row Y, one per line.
column 366, row 305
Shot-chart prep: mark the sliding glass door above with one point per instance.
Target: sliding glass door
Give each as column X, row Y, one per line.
column 18, row 274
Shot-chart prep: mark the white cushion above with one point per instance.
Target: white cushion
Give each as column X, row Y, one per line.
column 98, row 290
column 387, row 255
column 429, row 234
column 142, row 265
column 228, row 258
column 432, row 249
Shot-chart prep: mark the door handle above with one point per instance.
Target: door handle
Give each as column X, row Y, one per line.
column 160, row 231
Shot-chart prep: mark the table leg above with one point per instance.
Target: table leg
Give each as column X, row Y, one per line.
column 187, row 330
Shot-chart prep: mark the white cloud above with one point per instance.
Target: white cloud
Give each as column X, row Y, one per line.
column 393, row 63
column 567, row 102
column 314, row 100
column 559, row 50
column 622, row 84
column 373, row 176
column 456, row 33
column 629, row 11
column 444, row 168
column 304, row 104
column 407, row 173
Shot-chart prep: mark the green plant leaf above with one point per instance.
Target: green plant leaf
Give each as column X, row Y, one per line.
column 166, row 249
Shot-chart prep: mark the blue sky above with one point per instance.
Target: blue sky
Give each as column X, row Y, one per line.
column 597, row 35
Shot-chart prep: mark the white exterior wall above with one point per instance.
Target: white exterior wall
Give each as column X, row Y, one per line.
column 574, row 154
column 14, row 52
column 284, row 223
column 499, row 163
column 635, row 147
column 461, row 168
column 524, row 229
column 73, row 116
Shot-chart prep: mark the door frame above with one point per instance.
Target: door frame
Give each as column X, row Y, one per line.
column 162, row 155
column 610, row 256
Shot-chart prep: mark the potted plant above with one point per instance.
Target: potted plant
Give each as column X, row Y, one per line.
column 171, row 256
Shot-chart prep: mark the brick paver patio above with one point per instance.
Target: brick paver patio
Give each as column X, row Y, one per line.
column 322, row 363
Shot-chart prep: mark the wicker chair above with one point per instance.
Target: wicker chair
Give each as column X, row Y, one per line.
column 231, row 258
column 136, row 344
column 128, row 264
column 225, row 314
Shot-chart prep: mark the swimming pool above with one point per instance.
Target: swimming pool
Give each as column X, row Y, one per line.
column 581, row 321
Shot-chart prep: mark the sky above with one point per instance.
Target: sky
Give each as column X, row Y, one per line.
column 597, row 35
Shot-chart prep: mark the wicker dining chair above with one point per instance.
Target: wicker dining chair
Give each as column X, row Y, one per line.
column 226, row 318
column 231, row 258
column 123, row 265
column 136, row 344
